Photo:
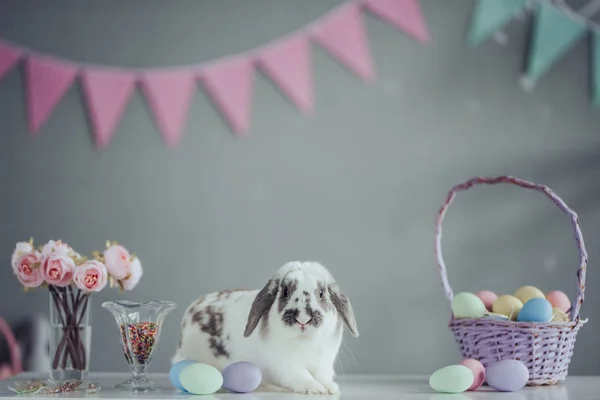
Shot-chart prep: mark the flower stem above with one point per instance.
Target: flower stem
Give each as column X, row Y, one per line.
column 70, row 345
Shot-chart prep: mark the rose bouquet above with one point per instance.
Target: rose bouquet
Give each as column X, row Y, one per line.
column 71, row 279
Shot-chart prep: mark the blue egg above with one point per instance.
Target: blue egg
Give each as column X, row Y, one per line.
column 176, row 370
column 241, row 377
column 536, row 310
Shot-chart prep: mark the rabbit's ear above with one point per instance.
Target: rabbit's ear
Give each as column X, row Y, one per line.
column 342, row 304
column 261, row 305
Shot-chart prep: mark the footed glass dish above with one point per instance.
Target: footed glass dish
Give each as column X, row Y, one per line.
column 139, row 331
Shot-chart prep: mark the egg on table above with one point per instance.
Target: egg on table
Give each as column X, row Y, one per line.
column 467, row 305
column 507, row 375
column 198, row 378
column 507, row 305
column 525, row 293
column 451, row 379
column 536, row 310
column 478, row 371
column 176, row 370
column 241, row 377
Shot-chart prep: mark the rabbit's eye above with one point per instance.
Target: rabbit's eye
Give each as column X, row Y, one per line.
column 286, row 293
column 321, row 293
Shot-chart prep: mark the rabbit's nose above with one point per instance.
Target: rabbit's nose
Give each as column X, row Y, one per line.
column 303, row 321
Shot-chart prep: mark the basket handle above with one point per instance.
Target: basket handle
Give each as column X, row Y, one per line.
column 583, row 257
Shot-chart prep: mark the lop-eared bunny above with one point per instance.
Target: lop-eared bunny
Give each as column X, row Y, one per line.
column 292, row 328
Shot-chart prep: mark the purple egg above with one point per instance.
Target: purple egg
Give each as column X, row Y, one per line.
column 241, row 377
column 507, row 375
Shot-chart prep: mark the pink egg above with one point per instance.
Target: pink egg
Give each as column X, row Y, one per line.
column 487, row 297
column 559, row 300
column 478, row 372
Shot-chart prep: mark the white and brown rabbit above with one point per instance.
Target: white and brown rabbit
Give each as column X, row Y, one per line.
column 291, row 329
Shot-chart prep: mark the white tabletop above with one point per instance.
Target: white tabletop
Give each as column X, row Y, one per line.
column 373, row 387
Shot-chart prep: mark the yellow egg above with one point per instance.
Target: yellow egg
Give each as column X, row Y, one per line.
column 527, row 293
column 507, row 305
column 559, row 315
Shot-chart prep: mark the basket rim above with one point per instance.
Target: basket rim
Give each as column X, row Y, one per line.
column 488, row 322
column 583, row 256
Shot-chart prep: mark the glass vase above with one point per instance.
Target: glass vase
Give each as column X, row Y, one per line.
column 70, row 333
column 139, row 326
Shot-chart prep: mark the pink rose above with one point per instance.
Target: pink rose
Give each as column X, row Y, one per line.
column 57, row 269
column 117, row 261
column 56, row 247
column 134, row 275
column 28, row 270
column 21, row 249
column 91, row 276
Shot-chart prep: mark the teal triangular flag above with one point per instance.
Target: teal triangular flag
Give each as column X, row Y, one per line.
column 596, row 68
column 553, row 34
column 491, row 15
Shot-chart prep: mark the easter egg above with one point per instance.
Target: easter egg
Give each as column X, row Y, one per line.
column 451, row 379
column 467, row 305
column 507, row 305
column 559, row 315
column 200, row 378
column 559, row 300
column 241, row 377
column 507, row 375
column 478, row 371
column 176, row 370
column 525, row 293
column 536, row 310
column 487, row 297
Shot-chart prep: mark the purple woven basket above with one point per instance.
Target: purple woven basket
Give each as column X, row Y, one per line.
column 545, row 348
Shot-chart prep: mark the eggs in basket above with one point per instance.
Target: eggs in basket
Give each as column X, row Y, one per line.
column 527, row 304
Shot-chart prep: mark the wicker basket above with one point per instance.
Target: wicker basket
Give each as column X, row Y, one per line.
column 545, row 348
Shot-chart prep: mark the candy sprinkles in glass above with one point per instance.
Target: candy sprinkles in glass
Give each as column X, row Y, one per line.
column 139, row 330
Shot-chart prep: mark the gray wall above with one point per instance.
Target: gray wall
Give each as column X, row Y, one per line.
column 357, row 186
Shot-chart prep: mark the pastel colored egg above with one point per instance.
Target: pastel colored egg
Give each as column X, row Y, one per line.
column 559, row 300
column 176, row 370
column 507, row 375
column 487, row 297
column 451, row 379
column 241, row 377
column 525, row 293
column 559, row 315
column 478, row 371
column 536, row 310
column 467, row 305
column 200, row 378
column 507, row 305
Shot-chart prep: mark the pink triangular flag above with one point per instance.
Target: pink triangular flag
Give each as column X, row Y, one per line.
column 9, row 56
column 288, row 64
column 229, row 84
column 169, row 95
column 107, row 93
column 47, row 82
column 405, row 15
column 343, row 35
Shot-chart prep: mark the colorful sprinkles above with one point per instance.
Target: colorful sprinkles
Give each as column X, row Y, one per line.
column 60, row 387
column 141, row 338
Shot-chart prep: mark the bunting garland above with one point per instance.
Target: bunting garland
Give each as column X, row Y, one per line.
column 556, row 29
column 228, row 82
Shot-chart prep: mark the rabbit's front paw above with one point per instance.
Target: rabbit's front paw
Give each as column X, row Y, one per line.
column 308, row 387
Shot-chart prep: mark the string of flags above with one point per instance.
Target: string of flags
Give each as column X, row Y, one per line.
column 556, row 29
column 227, row 82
